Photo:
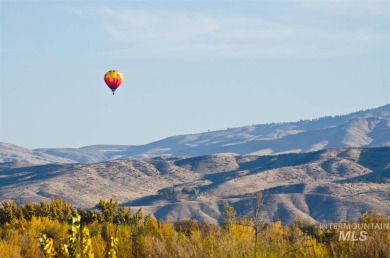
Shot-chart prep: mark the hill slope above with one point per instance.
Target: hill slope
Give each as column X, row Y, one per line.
column 369, row 128
column 14, row 153
column 326, row 185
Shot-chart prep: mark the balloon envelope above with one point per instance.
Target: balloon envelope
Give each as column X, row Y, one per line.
column 113, row 79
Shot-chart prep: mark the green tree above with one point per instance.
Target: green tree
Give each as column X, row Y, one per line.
column 108, row 209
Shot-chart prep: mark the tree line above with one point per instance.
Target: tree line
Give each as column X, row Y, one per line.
column 56, row 229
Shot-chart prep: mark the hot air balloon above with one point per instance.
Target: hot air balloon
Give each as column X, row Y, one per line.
column 113, row 79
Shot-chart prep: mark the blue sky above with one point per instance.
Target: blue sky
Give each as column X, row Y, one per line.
column 188, row 66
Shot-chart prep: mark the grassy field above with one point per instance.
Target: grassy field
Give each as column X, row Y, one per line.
column 56, row 229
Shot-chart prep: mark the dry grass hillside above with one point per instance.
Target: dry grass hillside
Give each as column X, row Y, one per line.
column 326, row 185
column 14, row 153
column 368, row 128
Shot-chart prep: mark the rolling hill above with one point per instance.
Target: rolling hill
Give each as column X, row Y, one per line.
column 370, row 128
column 326, row 169
column 14, row 153
column 325, row 185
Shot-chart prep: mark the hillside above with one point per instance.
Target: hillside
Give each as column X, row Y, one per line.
column 326, row 185
column 14, row 153
column 369, row 128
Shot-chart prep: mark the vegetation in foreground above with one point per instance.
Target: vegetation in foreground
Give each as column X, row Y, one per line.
column 55, row 229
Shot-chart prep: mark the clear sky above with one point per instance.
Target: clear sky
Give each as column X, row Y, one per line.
column 188, row 66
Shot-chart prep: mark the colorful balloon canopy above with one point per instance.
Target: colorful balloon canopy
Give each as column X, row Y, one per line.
column 113, row 79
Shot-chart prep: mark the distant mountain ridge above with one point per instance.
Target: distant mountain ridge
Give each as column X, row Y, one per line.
column 367, row 128
column 326, row 185
column 14, row 153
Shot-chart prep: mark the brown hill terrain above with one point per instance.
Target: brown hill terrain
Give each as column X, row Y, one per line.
column 368, row 128
column 326, row 185
column 12, row 153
